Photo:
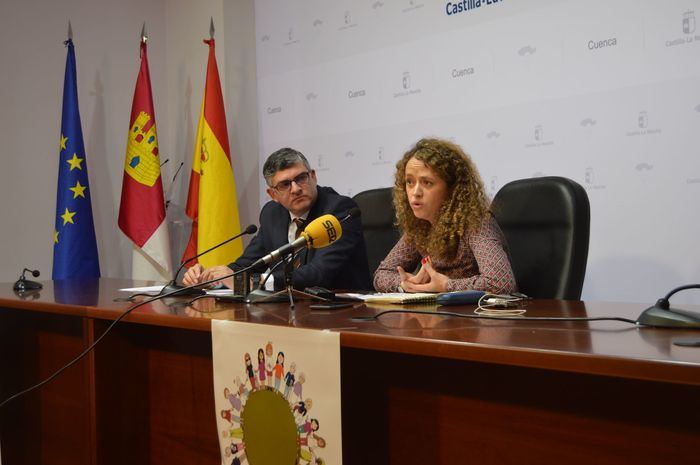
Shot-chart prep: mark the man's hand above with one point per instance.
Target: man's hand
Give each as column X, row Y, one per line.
column 198, row 274
column 218, row 272
column 193, row 275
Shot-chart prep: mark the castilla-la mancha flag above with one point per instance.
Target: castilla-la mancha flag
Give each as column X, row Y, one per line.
column 142, row 208
column 211, row 201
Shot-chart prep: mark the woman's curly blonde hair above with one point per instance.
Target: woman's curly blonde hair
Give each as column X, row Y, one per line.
column 464, row 209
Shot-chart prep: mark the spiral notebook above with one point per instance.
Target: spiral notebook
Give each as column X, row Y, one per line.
column 404, row 298
column 399, row 298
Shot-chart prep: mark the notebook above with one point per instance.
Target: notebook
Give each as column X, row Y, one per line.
column 405, row 298
column 402, row 298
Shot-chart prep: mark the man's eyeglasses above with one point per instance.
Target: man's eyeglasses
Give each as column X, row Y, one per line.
column 301, row 180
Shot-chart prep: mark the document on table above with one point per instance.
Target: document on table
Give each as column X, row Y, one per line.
column 393, row 297
column 155, row 290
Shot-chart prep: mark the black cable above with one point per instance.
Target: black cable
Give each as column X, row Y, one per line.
column 138, row 294
column 109, row 328
column 663, row 302
column 682, row 288
column 517, row 318
column 205, row 296
column 75, row 360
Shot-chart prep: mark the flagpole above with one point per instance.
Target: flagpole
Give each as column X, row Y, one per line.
column 74, row 244
column 142, row 216
column 144, row 39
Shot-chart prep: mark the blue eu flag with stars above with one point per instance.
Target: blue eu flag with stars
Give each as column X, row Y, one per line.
column 75, row 246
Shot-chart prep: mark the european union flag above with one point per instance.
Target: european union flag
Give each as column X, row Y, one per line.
column 75, row 246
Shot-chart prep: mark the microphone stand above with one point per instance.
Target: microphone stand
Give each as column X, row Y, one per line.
column 172, row 288
column 172, row 182
column 289, row 290
column 260, row 295
column 663, row 316
column 23, row 284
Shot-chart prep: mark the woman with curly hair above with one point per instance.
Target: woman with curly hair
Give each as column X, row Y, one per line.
column 447, row 227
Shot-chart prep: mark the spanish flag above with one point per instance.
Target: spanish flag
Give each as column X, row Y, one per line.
column 211, row 201
column 142, row 207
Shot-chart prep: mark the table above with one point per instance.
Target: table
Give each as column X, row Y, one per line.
column 415, row 388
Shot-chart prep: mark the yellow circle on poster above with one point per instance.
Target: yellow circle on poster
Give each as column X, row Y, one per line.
column 269, row 429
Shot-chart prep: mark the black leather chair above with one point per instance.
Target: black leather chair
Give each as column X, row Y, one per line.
column 378, row 218
column 546, row 222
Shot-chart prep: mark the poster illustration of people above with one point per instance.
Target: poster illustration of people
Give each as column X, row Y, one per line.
column 277, row 392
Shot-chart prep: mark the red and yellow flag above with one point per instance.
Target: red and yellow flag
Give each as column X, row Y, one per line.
column 142, row 207
column 211, row 201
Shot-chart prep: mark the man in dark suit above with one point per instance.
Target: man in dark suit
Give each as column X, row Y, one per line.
column 297, row 200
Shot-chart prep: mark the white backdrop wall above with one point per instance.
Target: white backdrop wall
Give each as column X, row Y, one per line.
column 605, row 93
column 106, row 36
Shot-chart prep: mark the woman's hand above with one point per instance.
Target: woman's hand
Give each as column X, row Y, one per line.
column 432, row 280
column 419, row 278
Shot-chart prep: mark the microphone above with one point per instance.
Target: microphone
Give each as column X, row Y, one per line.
column 24, row 284
column 178, row 290
column 662, row 315
column 321, row 232
column 314, row 235
column 172, row 183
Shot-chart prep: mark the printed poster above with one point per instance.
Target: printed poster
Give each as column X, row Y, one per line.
column 277, row 394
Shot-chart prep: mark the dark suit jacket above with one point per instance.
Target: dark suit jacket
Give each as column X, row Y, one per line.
column 341, row 265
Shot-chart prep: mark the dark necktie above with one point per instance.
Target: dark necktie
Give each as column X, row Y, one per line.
column 301, row 224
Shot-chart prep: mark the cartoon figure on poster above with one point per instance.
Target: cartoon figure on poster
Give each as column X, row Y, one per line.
column 249, row 370
column 289, row 379
column 261, row 370
column 279, row 370
column 266, row 383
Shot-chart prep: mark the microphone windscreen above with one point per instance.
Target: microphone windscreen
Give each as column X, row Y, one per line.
column 251, row 229
column 322, row 231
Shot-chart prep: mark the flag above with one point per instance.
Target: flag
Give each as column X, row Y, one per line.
column 211, row 200
column 142, row 207
column 75, row 246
